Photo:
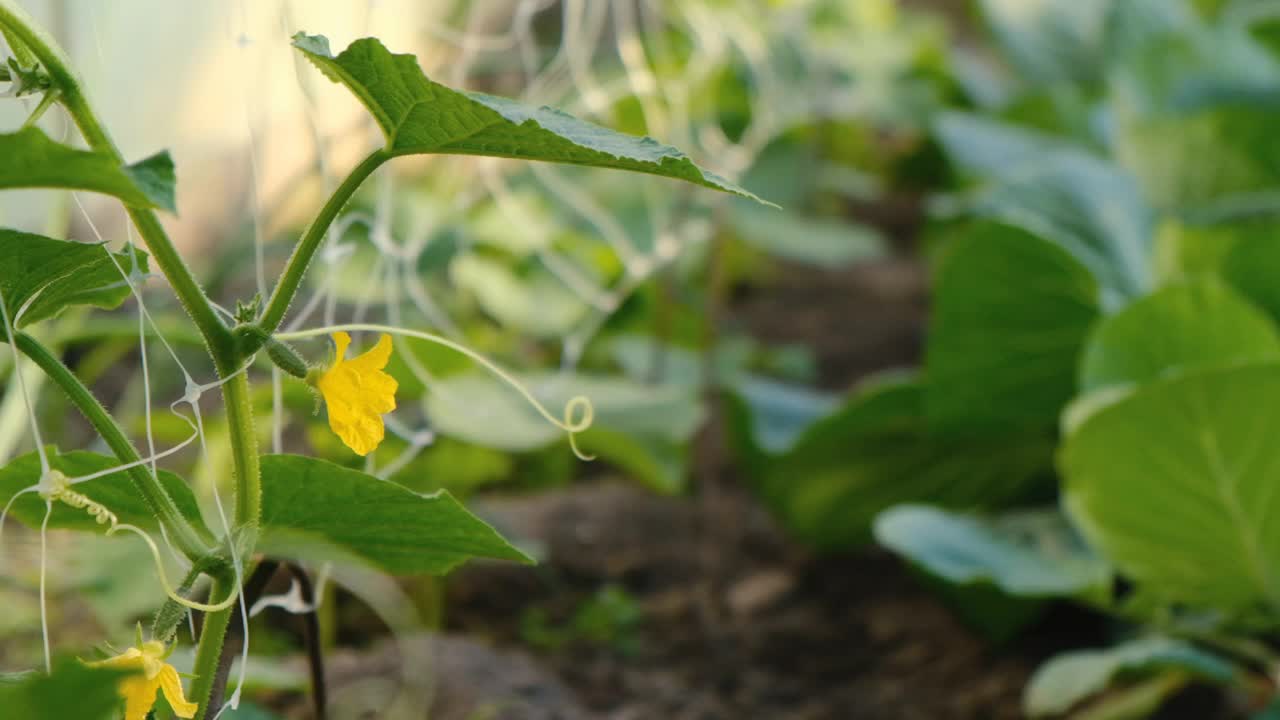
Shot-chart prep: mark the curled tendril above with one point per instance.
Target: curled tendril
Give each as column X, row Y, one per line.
column 56, row 487
column 583, row 403
column 578, row 406
column 164, row 578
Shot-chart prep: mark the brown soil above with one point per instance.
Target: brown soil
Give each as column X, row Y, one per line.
column 787, row 636
column 856, row 321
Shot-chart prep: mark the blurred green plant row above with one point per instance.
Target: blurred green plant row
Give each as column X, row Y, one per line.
column 1093, row 419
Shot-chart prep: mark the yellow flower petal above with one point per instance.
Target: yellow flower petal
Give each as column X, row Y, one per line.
column 343, row 341
column 375, row 358
column 139, row 691
column 172, row 687
column 358, row 392
column 131, row 659
column 139, row 695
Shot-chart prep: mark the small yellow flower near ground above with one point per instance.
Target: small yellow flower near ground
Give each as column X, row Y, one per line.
column 358, row 392
column 139, row 691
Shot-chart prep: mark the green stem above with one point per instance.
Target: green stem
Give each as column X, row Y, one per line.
column 190, row 541
column 58, row 66
column 306, row 249
column 238, row 401
column 244, row 448
column 212, row 634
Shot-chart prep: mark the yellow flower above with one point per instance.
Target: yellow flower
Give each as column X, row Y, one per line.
column 358, row 393
column 139, row 691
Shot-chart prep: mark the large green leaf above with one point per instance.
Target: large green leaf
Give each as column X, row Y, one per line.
column 1011, row 314
column 314, row 509
column 418, row 115
column 1070, row 678
column 1184, row 251
column 53, row 274
column 1195, row 161
column 877, row 451
column 115, row 491
column 1175, row 484
column 1028, row 553
column 32, row 160
column 1252, row 266
column 1178, row 328
column 657, row 463
column 72, row 690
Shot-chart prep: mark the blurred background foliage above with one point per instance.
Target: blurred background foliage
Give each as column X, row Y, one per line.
column 1014, row 319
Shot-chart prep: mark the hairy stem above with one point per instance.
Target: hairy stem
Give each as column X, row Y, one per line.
column 306, row 249
column 254, row 585
column 244, row 448
column 209, row 651
column 207, row 688
column 192, row 542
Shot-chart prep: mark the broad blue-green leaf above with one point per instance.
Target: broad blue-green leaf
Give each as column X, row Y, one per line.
column 33, row 160
column 1175, row 484
column 989, row 148
column 538, row 304
column 645, row 360
column 479, row 409
column 115, row 491
column 418, row 115
column 1011, row 314
column 1085, row 205
column 639, row 427
column 1193, row 116
column 1134, row 24
column 1068, row 679
column 53, row 274
column 72, row 690
column 1050, row 41
column 1029, row 553
column 877, row 451
column 1177, row 329
column 820, row 242
column 316, row 510
column 780, row 412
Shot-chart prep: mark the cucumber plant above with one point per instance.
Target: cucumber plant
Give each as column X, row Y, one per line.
column 286, row 507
